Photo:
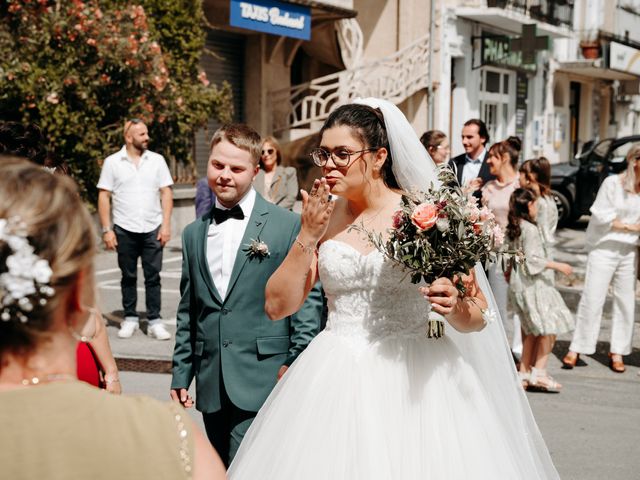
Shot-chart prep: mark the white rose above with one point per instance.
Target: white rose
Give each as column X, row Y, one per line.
column 18, row 287
column 20, row 264
column 41, row 271
column 442, row 224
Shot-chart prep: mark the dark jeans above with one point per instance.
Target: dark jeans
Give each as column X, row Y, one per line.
column 130, row 247
column 227, row 427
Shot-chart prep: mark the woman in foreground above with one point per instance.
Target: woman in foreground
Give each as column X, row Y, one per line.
column 54, row 426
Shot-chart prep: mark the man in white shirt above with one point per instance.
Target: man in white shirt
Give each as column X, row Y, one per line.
column 137, row 183
column 471, row 167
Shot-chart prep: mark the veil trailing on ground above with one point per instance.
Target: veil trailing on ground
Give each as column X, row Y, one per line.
column 486, row 351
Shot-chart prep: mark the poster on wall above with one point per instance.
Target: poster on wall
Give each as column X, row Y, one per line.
column 560, row 131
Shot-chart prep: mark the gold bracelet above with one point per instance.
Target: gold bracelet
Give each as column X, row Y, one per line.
column 307, row 248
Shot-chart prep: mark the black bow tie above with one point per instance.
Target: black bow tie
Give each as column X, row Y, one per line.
column 220, row 215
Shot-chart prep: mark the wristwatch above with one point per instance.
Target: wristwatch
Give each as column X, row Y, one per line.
column 106, row 230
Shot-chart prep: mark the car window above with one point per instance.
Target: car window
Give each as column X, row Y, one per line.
column 619, row 155
column 602, row 148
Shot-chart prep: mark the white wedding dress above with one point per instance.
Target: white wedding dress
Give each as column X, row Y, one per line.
column 373, row 398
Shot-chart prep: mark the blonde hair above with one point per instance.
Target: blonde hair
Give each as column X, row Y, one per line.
column 276, row 146
column 629, row 181
column 242, row 136
column 60, row 231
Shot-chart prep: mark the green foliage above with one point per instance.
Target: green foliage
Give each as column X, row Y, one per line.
column 80, row 68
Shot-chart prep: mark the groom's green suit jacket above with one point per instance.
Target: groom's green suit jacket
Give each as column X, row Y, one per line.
column 232, row 340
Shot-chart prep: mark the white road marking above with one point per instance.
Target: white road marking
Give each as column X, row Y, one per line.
column 114, row 270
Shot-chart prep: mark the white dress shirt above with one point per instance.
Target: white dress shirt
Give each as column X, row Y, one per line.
column 223, row 243
column 472, row 167
column 135, row 191
column 612, row 202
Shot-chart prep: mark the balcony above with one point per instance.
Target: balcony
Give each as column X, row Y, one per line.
column 552, row 17
column 553, row 12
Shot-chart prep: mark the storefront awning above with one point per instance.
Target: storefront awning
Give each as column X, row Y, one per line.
column 593, row 69
column 328, row 9
column 510, row 20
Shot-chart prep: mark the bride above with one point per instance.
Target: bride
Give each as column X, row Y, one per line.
column 372, row 397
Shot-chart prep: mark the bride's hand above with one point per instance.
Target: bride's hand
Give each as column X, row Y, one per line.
column 316, row 211
column 442, row 294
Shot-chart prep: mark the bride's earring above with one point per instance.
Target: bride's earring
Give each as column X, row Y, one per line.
column 89, row 325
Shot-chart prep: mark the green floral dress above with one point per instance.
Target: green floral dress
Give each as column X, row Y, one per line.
column 532, row 292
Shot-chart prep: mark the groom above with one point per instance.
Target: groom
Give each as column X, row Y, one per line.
column 224, row 338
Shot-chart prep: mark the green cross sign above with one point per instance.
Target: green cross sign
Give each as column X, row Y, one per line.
column 529, row 43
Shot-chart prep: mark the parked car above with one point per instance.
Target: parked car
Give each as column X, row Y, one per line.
column 575, row 184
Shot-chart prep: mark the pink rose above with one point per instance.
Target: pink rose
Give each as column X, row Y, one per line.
column 472, row 212
column 397, row 219
column 486, row 214
column 425, row 216
column 498, row 236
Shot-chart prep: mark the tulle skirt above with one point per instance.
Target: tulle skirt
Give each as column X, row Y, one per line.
column 403, row 408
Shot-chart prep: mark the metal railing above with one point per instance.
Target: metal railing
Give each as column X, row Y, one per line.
column 554, row 12
column 393, row 78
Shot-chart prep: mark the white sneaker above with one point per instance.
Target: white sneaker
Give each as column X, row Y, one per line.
column 158, row 331
column 127, row 328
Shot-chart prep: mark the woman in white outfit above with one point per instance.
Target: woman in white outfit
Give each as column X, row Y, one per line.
column 612, row 238
column 372, row 397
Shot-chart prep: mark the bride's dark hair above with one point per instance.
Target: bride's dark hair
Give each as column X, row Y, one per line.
column 368, row 126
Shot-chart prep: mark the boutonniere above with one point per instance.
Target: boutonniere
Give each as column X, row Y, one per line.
column 257, row 249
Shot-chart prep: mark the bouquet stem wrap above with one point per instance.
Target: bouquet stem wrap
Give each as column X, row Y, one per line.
column 435, row 325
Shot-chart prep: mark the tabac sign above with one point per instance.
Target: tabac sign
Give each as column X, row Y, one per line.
column 271, row 16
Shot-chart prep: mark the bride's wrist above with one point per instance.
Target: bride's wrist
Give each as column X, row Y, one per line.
column 307, row 246
column 307, row 239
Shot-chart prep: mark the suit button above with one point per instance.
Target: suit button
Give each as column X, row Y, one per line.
column 224, row 311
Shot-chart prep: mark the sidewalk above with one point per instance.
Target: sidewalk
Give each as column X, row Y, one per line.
column 144, row 354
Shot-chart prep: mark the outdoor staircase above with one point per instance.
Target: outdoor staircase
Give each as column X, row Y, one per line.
column 300, row 110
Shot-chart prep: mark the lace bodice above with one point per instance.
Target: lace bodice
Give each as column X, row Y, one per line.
column 369, row 299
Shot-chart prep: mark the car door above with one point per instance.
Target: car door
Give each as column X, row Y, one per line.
column 593, row 170
column 617, row 158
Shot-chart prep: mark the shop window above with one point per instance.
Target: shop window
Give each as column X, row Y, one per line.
column 493, row 82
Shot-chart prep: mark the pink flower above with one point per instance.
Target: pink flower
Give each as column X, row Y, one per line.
column 53, row 98
column 424, row 216
column 202, row 76
column 397, row 219
column 486, row 214
column 472, row 212
column 498, row 235
column 92, row 42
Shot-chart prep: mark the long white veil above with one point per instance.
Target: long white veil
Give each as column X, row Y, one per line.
column 486, row 351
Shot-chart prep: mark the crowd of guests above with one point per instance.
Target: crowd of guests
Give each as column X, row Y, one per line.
column 519, row 195
column 63, row 335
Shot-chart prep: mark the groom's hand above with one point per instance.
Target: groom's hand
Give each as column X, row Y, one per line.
column 181, row 396
column 282, row 371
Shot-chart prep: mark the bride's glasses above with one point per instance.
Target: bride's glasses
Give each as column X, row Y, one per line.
column 341, row 156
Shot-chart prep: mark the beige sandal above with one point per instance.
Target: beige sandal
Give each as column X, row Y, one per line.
column 524, row 379
column 541, row 381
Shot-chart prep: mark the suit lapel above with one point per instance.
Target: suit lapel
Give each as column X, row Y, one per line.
column 257, row 221
column 201, row 255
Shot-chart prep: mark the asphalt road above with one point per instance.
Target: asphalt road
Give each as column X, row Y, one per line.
column 592, row 428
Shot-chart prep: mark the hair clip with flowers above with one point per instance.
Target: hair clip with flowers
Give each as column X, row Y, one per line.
column 25, row 277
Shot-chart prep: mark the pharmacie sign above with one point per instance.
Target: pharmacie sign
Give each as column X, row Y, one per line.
column 270, row 16
column 496, row 50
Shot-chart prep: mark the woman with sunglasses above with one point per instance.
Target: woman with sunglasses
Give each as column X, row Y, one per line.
column 277, row 184
column 612, row 241
column 372, row 397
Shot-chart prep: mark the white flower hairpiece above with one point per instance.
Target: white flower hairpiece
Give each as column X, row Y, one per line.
column 25, row 282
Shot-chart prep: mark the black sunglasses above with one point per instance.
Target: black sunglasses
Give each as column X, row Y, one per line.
column 268, row 151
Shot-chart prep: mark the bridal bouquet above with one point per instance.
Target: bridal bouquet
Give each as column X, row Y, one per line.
column 440, row 232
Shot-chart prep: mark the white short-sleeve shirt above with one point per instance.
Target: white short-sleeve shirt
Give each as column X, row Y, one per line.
column 135, row 191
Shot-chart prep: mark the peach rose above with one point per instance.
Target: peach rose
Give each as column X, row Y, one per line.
column 425, row 216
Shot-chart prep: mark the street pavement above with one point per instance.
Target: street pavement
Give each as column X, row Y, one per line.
column 592, row 428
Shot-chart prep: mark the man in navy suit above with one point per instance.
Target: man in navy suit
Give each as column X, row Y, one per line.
column 471, row 167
